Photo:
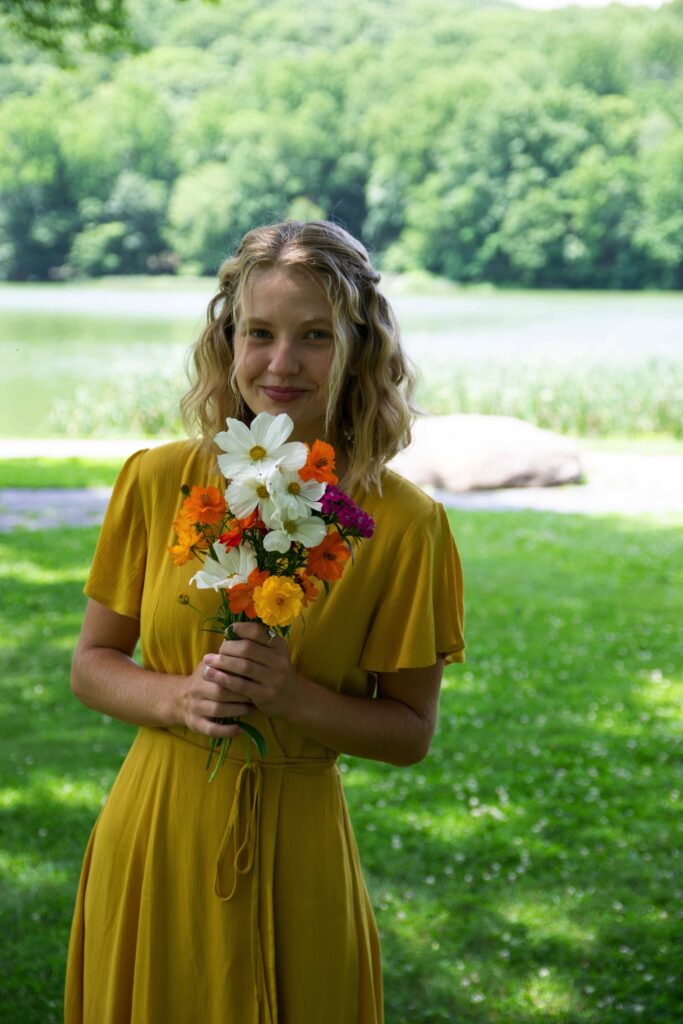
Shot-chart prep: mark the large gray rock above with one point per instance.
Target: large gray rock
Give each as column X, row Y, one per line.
column 471, row 452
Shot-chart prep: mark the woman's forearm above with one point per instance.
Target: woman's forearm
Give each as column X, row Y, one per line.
column 395, row 727
column 109, row 681
column 380, row 729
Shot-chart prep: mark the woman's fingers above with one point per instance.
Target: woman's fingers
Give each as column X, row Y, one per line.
column 207, row 699
column 225, row 709
column 236, row 669
column 217, row 687
column 216, row 731
column 255, row 631
column 256, row 667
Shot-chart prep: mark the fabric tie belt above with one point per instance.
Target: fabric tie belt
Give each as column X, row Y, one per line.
column 238, row 855
column 242, row 832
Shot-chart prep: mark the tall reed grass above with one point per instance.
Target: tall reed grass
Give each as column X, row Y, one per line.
column 591, row 400
column 583, row 400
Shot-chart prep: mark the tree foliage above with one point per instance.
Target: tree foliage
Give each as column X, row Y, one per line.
column 52, row 24
column 472, row 140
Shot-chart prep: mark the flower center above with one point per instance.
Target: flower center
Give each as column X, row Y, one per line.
column 262, row 491
column 257, row 453
column 289, row 526
column 294, row 487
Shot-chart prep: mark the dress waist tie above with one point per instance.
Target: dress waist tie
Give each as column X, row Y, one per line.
column 238, row 855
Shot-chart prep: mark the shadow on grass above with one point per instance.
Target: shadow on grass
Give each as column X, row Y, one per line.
column 527, row 871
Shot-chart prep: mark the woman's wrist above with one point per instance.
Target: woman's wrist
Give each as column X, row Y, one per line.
column 172, row 708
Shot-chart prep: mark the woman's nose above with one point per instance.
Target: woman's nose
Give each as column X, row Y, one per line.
column 283, row 359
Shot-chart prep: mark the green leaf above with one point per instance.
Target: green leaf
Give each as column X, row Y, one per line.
column 255, row 736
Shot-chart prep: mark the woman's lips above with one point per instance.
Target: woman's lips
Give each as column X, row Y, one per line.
column 283, row 395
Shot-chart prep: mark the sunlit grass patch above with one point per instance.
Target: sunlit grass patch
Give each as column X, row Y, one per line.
column 29, row 870
column 69, row 472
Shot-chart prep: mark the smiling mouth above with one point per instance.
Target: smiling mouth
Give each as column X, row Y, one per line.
column 283, row 394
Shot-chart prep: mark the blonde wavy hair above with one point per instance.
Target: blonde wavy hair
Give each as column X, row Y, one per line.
column 369, row 407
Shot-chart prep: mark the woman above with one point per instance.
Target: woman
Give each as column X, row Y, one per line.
column 243, row 900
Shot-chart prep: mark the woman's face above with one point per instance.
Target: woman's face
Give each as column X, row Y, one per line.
column 284, row 347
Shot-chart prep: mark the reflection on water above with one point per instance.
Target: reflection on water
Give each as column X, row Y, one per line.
column 55, row 340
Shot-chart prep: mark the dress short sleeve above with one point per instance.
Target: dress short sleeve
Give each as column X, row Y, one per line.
column 420, row 613
column 118, row 567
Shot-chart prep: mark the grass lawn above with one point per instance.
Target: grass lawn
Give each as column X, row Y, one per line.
column 75, row 472
column 528, row 871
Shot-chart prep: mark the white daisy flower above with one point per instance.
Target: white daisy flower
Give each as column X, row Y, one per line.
column 309, row 531
column 231, row 567
column 260, row 446
column 249, row 490
column 293, row 497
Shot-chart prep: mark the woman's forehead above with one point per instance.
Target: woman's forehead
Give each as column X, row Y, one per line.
column 271, row 291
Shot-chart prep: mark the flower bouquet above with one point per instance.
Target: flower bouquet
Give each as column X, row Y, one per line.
column 281, row 530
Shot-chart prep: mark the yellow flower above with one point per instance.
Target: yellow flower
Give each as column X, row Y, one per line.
column 278, row 601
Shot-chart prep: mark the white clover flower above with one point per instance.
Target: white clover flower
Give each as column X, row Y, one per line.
column 260, row 446
column 309, row 531
column 231, row 567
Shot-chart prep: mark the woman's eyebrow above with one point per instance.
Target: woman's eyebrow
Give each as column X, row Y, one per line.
column 304, row 323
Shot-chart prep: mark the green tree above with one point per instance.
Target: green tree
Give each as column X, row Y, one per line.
column 478, row 141
column 124, row 234
column 38, row 213
column 291, row 117
column 52, row 24
column 601, row 203
column 589, row 58
column 123, row 125
column 507, row 193
column 213, row 205
column 97, row 249
column 660, row 232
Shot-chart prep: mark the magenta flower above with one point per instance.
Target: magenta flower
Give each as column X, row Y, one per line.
column 344, row 511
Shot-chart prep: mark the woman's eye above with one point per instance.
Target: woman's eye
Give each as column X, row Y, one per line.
column 319, row 335
column 260, row 333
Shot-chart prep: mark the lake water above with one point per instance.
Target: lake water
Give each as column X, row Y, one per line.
column 57, row 339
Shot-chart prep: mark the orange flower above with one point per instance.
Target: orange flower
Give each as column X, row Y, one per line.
column 188, row 538
column 251, row 520
column 233, row 537
column 308, row 586
column 241, row 596
column 205, row 505
column 320, row 464
column 326, row 561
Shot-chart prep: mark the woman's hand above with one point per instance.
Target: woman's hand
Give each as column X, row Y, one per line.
column 206, row 698
column 256, row 667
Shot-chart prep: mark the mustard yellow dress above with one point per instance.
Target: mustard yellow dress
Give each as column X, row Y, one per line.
column 242, row 901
